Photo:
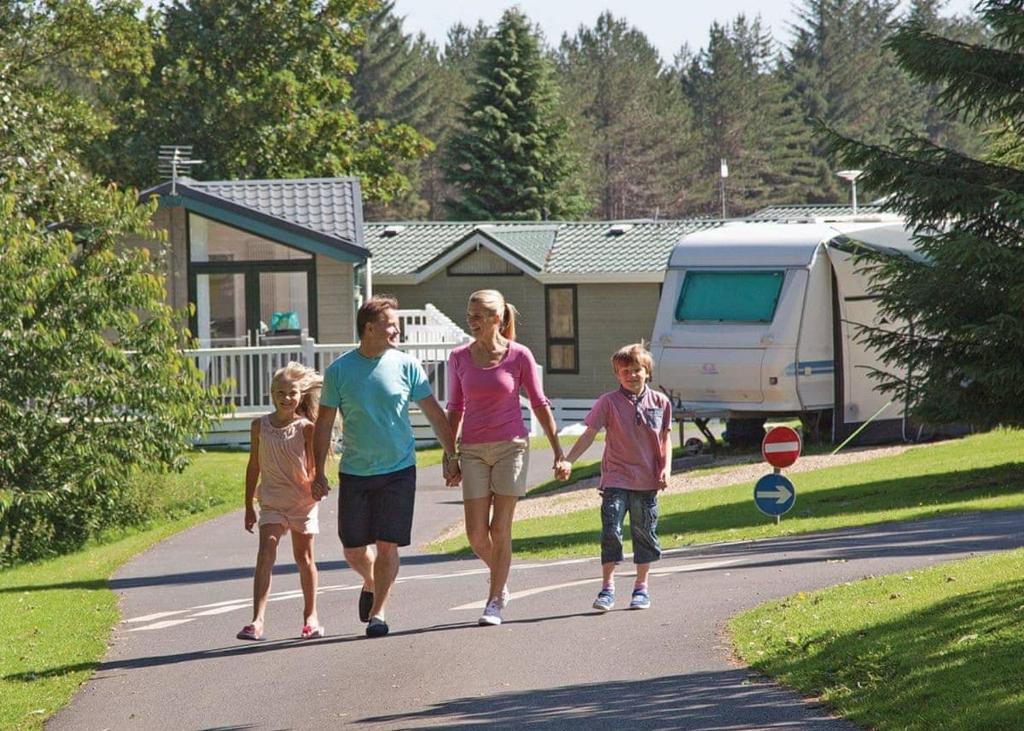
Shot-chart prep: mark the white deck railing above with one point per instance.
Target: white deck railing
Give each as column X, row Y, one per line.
column 427, row 334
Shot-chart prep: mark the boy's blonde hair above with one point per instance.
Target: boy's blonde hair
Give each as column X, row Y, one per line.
column 309, row 382
column 494, row 302
column 635, row 354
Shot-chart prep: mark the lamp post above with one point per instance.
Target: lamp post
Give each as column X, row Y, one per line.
column 725, row 174
column 852, row 176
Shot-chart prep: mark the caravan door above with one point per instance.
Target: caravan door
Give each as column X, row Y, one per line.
column 856, row 398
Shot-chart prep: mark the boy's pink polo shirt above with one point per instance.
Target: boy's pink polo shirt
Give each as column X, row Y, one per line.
column 632, row 452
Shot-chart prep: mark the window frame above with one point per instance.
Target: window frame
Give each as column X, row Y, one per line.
column 781, row 273
column 251, row 270
column 550, row 340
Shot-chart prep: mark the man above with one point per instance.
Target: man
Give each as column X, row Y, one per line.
column 372, row 387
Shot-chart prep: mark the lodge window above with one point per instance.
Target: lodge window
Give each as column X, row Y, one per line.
column 248, row 290
column 562, row 320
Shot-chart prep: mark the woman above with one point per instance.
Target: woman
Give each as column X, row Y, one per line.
column 486, row 378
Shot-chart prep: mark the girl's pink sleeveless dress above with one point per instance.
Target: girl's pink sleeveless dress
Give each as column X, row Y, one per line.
column 284, row 489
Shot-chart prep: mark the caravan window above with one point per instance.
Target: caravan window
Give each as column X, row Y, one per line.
column 729, row 296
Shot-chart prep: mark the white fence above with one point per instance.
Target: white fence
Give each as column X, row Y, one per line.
column 427, row 334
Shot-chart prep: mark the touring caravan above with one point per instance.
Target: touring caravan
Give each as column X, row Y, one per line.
column 761, row 320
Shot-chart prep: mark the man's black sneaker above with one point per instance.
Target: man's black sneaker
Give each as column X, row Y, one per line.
column 377, row 627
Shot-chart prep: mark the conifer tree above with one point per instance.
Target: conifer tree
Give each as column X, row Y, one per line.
column 511, row 159
column 843, row 73
column 633, row 126
column 742, row 114
column 962, row 299
column 397, row 80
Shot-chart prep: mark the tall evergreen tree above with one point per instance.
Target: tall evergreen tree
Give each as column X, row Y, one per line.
column 842, row 71
column 743, row 115
column 964, row 344
column 929, row 117
column 633, row 127
column 397, row 80
column 511, row 160
column 454, row 72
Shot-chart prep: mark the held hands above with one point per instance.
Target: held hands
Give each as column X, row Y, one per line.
column 451, row 470
column 563, row 468
column 250, row 517
column 320, row 488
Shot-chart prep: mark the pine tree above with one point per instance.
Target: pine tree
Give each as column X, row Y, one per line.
column 742, row 115
column 397, row 80
column 963, row 299
column 842, row 71
column 454, row 73
column 511, row 160
column 633, row 126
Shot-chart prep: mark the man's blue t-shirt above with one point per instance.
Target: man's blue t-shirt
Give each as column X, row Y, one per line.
column 373, row 395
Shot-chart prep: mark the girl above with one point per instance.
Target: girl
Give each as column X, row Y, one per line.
column 483, row 405
column 281, row 461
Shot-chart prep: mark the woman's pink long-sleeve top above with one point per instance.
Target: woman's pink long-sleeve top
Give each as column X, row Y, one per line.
column 488, row 398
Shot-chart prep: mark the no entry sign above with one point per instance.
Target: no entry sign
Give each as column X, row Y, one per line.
column 781, row 447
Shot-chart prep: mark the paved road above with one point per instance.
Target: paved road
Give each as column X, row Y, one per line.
column 174, row 662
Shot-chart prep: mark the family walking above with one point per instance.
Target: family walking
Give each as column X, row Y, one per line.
column 486, row 451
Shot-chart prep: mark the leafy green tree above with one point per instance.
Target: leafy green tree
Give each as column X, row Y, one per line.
column 62, row 64
column 261, row 89
column 93, row 386
column 743, row 114
column 632, row 126
column 963, row 299
column 511, row 159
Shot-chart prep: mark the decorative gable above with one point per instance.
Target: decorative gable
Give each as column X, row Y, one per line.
column 484, row 262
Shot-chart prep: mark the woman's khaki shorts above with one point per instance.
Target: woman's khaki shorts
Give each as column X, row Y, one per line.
column 494, row 467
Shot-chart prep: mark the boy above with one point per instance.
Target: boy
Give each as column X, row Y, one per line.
column 635, row 466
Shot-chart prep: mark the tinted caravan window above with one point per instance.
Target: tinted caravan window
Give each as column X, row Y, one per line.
column 729, row 296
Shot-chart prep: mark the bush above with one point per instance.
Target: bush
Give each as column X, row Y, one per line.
column 93, row 384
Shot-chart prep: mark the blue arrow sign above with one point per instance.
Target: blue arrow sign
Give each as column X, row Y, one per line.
column 774, row 495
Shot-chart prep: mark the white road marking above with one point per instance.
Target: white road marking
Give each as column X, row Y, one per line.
column 230, row 605
column 162, row 625
column 157, row 615
column 554, row 587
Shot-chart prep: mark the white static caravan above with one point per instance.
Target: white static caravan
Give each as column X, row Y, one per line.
column 760, row 320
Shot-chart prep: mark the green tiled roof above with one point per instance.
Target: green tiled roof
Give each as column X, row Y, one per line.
column 820, row 210
column 558, row 247
column 618, row 246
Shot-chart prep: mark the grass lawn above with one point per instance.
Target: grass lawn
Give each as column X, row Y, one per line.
column 981, row 472
column 936, row 648
column 56, row 616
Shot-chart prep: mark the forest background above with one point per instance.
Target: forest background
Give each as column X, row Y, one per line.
column 635, row 135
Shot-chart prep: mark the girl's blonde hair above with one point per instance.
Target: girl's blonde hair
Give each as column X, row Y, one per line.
column 309, row 382
column 494, row 302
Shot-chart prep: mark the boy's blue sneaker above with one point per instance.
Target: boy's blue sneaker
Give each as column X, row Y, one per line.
column 605, row 600
column 641, row 599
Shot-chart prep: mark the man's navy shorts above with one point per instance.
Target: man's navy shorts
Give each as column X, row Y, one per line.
column 376, row 508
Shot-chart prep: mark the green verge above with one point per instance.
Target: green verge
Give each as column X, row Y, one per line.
column 978, row 473
column 936, row 648
column 56, row 615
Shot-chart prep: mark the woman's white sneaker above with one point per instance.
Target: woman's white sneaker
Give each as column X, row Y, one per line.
column 492, row 613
